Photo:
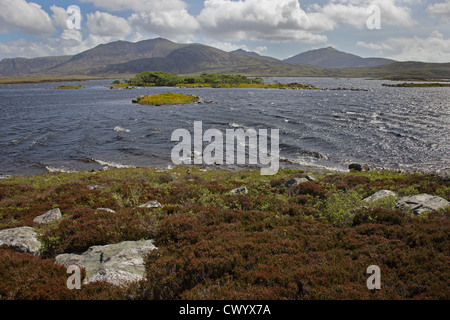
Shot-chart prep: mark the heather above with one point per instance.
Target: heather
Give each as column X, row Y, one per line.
column 313, row 240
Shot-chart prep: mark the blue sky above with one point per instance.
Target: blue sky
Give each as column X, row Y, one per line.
column 410, row 29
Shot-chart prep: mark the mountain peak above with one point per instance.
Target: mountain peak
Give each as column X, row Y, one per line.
column 329, row 57
column 245, row 52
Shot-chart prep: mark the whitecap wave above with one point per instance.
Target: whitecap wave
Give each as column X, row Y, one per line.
column 59, row 170
column 120, row 129
column 310, row 163
column 113, row 164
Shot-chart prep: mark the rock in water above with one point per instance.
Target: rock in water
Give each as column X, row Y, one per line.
column 381, row 195
column 119, row 264
column 48, row 217
column 24, row 240
column 421, row 203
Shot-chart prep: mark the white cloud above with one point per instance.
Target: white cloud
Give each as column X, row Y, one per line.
column 172, row 24
column 435, row 48
column 354, row 13
column 440, row 9
column 28, row 17
column 261, row 49
column 105, row 24
column 271, row 20
column 165, row 18
column 138, row 5
column 59, row 16
column 228, row 46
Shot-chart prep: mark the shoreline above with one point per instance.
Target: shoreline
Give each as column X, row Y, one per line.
column 49, row 170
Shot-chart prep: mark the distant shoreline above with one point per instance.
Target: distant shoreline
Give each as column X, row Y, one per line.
column 38, row 80
column 75, row 78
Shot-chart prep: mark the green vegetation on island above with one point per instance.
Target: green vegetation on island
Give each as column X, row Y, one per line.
column 205, row 80
column 166, row 99
column 69, row 87
column 165, row 79
column 311, row 241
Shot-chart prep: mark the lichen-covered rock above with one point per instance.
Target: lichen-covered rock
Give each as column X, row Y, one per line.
column 119, row 264
column 151, row 205
column 49, row 217
column 381, row 195
column 242, row 190
column 421, row 203
column 24, row 240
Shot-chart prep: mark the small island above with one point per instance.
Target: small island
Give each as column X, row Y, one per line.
column 204, row 80
column 417, row 85
column 69, row 87
column 166, row 99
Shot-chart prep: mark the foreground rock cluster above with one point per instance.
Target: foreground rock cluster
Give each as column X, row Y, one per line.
column 119, row 264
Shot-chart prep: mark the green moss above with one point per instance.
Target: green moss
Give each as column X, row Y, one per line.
column 166, row 99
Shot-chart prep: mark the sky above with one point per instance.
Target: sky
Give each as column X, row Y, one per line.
column 403, row 30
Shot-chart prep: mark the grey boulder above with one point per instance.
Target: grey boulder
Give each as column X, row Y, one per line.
column 381, row 195
column 119, row 264
column 421, row 203
column 242, row 190
column 49, row 217
column 24, row 240
column 151, row 205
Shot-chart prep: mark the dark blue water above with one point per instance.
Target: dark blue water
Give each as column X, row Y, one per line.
column 402, row 128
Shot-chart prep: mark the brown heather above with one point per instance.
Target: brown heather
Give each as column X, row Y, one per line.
column 312, row 241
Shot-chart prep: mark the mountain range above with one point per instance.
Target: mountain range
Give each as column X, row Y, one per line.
column 122, row 58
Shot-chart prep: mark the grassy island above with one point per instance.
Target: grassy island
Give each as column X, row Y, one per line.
column 69, row 87
column 314, row 240
column 166, row 99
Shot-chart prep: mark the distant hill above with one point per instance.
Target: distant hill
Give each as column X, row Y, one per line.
column 332, row 58
column 83, row 63
column 123, row 59
column 24, row 67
